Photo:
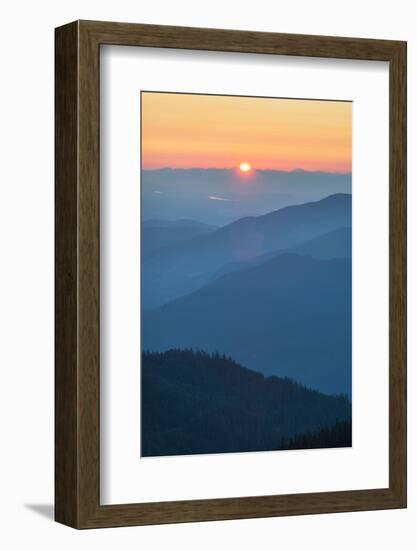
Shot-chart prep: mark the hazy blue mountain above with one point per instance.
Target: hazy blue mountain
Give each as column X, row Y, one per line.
column 193, row 403
column 290, row 316
column 158, row 234
column 173, row 224
column 334, row 244
column 219, row 197
column 181, row 269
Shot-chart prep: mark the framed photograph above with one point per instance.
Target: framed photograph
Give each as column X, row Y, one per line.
column 230, row 274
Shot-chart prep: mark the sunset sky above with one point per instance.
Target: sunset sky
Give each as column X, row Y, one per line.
column 203, row 131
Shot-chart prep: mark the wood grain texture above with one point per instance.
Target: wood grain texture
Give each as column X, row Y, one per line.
column 78, row 284
column 66, row 237
column 398, row 273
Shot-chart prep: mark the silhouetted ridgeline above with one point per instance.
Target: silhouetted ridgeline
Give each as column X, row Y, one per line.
column 194, row 402
column 290, row 316
column 338, row 435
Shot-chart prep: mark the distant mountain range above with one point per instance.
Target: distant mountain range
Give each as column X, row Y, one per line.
column 159, row 234
column 334, row 244
column 180, row 269
column 289, row 316
column 273, row 291
column 194, row 402
column 218, row 197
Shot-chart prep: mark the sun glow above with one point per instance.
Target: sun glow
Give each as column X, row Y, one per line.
column 183, row 131
column 245, row 167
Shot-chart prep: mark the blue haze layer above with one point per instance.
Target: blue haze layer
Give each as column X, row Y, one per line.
column 258, row 272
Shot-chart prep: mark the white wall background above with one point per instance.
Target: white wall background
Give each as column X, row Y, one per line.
column 26, row 272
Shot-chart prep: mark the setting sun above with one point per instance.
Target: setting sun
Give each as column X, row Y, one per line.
column 245, row 167
column 245, row 134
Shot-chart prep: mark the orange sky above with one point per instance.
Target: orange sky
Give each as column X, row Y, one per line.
column 190, row 131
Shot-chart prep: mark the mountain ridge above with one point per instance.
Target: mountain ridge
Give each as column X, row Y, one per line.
column 213, row 404
column 175, row 192
column 264, row 310
column 182, row 268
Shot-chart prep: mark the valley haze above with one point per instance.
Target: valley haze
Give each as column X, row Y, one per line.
column 220, row 196
column 246, row 332
column 271, row 291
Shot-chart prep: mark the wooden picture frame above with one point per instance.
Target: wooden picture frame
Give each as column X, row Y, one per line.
column 77, row 374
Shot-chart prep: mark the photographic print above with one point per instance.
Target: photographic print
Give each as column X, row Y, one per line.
column 246, row 284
